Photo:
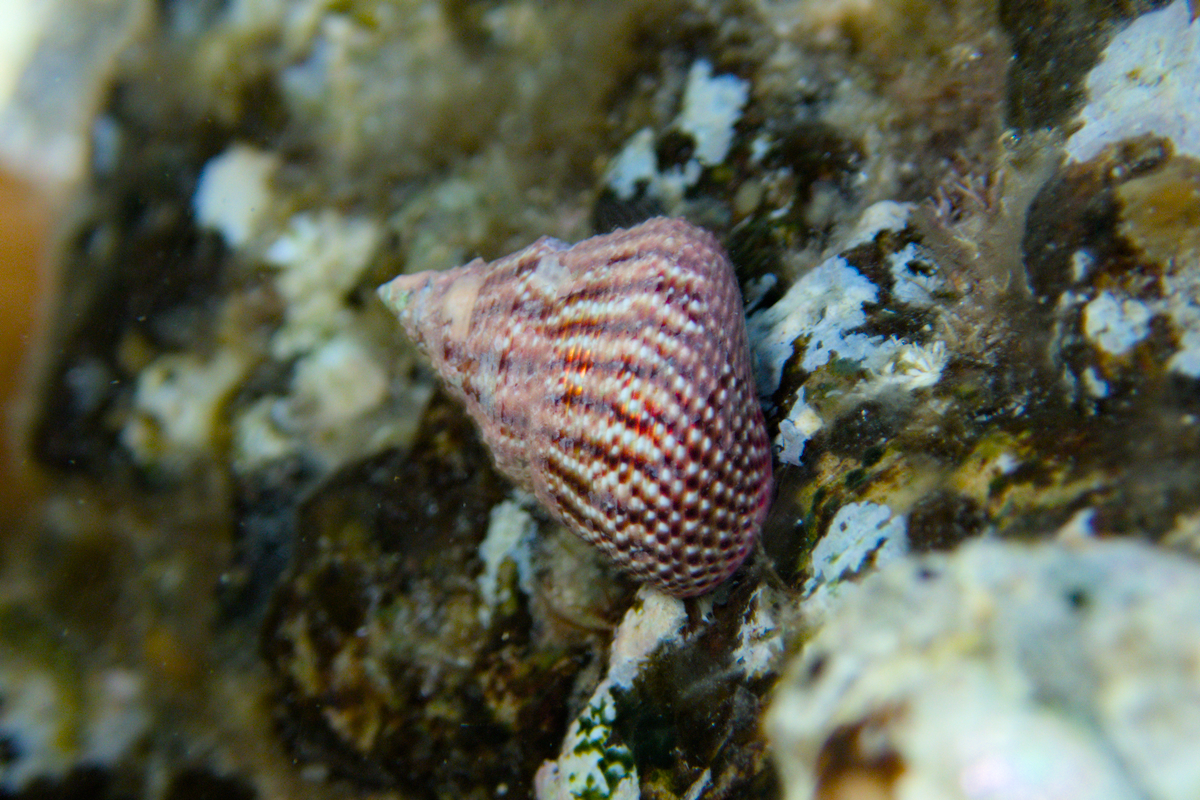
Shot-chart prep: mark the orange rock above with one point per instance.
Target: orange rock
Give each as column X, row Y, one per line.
column 24, row 238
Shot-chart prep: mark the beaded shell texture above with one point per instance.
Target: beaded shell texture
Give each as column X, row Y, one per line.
column 612, row 380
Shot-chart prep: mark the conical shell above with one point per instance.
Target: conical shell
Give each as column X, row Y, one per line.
column 612, row 380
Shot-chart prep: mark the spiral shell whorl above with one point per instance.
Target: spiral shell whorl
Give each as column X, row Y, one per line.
column 611, row 378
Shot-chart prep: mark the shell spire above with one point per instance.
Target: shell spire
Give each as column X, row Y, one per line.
column 612, row 379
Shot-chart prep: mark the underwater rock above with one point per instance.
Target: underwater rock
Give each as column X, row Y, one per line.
column 1112, row 254
column 390, row 670
column 1006, row 670
column 324, row 590
column 677, row 712
column 1144, row 85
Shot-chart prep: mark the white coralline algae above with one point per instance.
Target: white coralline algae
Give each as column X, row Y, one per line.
column 916, row 277
column 711, row 107
column 760, row 639
column 635, row 164
column 510, row 533
column 179, row 404
column 824, row 312
column 886, row 215
column 319, row 257
column 859, row 532
column 1186, row 360
column 1145, row 83
column 233, row 193
column 823, row 308
column 1116, row 324
column 336, row 383
column 1181, row 304
column 801, row 424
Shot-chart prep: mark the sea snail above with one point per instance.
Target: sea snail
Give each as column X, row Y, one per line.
column 611, row 379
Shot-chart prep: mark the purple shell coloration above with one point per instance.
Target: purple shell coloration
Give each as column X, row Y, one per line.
column 612, row 380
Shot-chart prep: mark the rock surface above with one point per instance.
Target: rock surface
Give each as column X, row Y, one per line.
column 1061, row 670
column 265, row 558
